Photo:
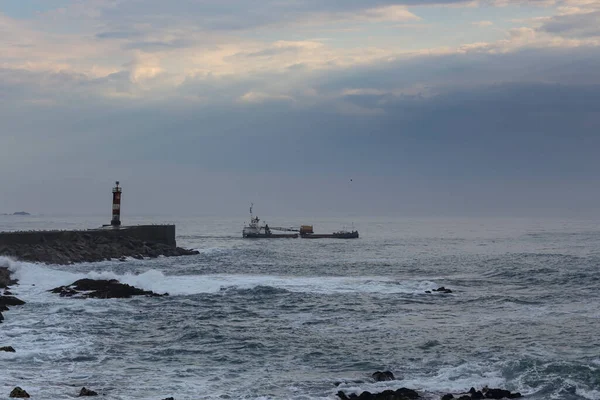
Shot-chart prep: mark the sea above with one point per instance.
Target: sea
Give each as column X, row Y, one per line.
column 304, row 319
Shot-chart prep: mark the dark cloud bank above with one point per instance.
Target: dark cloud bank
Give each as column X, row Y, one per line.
column 480, row 144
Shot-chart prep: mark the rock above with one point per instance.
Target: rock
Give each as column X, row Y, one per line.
column 5, row 280
column 1, row 317
column 8, row 349
column 19, row 393
column 442, row 290
column 101, row 289
column 169, row 398
column 7, row 292
column 448, row 396
column 500, row 394
column 400, row 394
column 87, row 392
column 10, row 301
column 383, row 376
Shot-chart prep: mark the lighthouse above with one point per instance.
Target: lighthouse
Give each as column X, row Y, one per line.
column 116, row 206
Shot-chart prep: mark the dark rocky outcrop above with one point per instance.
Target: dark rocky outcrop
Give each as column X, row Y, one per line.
column 8, row 349
column 499, row 394
column 484, row 393
column 383, row 376
column 400, row 394
column 10, row 301
column 5, row 279
column 439, row 290
column 6, row 301
column 87, row 392
column 78, row 247
column 101, row 289
column 19, row 393
column 409, row 394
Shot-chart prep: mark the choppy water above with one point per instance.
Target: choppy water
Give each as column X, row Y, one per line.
column 288, row 319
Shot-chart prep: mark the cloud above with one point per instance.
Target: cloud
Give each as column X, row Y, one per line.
column 118, row 35
column 196, row 90
column 259, row 97
column 576, row 25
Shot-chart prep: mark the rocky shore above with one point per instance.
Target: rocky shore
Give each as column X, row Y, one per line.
column 84, row 247
column 103, row 289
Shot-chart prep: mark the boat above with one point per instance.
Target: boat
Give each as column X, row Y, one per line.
column 254, row 230
column 306, row 232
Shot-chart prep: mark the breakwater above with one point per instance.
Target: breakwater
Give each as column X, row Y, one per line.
column 71, row 246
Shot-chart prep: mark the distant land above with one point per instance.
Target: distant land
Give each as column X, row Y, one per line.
column 18, row 213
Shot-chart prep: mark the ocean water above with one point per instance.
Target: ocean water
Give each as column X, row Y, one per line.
column 292, row 318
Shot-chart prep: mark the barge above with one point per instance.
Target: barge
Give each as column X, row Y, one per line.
column 306, row 232
column 254, row 230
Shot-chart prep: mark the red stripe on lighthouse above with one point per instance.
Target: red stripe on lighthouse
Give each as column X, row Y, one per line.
column 116, row 211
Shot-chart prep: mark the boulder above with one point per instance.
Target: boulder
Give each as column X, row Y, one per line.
column 5, row 279
column 101, row 289
column 87, row 392
column 442, row 290
column 400, row 394
column 19, row 393
column 8, row 349
column 10, row 301
column 383, row 376
column 485, row 393
column 500, row 394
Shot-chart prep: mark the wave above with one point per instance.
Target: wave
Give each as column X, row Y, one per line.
column 36, row 278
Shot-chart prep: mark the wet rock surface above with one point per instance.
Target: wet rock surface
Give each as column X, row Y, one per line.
column 8, row 349
column 409, row 394
column 87, row 392
column 484, row 393
column 7, row 299
column 383, row 376
column 5, row 278
column 83, row 247
column 101, row 289
column 439, row 290
column 400, row 394
column 10, row 301
column 19, row 393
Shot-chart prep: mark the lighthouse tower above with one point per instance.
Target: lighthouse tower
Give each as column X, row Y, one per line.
column 116, row 206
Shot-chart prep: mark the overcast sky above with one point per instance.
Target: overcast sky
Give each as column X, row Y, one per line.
column 416, row 107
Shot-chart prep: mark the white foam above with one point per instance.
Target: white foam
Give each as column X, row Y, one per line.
column 35, row 279
column 588, row 394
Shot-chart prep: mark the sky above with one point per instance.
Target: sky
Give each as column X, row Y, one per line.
column 380, row 107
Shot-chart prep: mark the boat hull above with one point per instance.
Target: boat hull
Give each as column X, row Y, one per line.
column 344, row 235
column 270, row 236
